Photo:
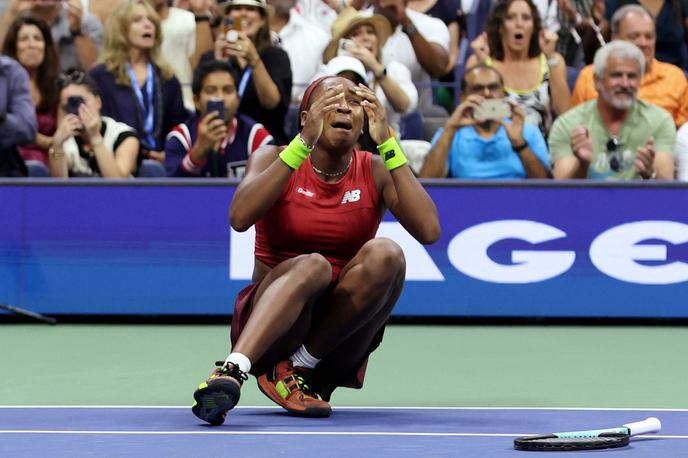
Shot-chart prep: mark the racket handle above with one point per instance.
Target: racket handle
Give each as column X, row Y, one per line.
column 649, row 425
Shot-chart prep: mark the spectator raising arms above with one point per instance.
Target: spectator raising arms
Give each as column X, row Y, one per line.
column 136, row 86
column 266, row 81
column 77, row 33
column 366, row 34
column 534, row 73
column 17, row 116
column 29, row 42
column 216, row 141
column 85, row 143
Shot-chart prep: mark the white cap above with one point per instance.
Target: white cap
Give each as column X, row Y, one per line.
column 341, row 64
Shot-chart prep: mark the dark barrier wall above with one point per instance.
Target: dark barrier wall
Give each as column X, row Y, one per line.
column 507, row 249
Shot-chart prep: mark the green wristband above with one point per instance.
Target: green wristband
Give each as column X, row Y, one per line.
column 391, row 153
column 294, row 154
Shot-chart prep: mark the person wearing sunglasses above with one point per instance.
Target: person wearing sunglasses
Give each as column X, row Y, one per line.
column 617, row 136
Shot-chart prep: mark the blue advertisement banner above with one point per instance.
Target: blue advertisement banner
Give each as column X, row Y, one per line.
column 507, row 249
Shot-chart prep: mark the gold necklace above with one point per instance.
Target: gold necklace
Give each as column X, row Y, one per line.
column 336, row 174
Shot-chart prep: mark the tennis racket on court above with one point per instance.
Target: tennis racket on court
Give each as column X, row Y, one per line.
column 28, row 313
column 588, row 440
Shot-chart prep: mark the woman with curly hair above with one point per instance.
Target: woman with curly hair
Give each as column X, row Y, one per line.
column 515, row 43
column 136, row 86
column 30, row 42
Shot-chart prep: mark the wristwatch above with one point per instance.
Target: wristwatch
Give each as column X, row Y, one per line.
column 382, row 75
column 520, row 147
column 409, row 29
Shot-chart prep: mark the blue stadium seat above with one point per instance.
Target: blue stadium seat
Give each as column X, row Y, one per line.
column 37, row 169
column 572, row 76
column 151, row 169
column 411, row 126
column 291, row 121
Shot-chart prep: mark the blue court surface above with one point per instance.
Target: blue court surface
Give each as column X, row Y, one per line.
column 75, row 431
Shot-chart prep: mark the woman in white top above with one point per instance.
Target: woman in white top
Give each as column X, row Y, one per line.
column 361, row 35
column 86, row 143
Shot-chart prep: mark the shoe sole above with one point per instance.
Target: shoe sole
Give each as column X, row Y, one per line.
column 267, row 388
column 214, row 399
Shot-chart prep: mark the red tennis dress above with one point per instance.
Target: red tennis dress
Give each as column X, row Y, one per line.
column 312, row 216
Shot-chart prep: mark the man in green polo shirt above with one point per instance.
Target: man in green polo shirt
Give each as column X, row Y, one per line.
column 617, row 136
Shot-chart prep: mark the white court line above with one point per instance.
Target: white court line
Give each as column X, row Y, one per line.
column 619, row 409
column 290, row 433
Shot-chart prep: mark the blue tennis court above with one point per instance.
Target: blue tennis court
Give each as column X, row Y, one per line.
column 71, row 431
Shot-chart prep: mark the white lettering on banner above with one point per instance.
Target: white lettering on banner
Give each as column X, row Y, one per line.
column 419, row 264
column 615, row 252
column 468, row 252
column 241, row 253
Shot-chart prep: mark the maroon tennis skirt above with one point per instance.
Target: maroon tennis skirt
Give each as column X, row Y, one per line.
column 324, row 382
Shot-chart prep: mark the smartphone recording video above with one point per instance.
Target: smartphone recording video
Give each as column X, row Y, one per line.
column 232, row 28
column 217, row 106
column 73, row 104
column 493, row 109
column 344, row 44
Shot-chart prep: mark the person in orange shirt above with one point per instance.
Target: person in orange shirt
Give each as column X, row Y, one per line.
column 664, row 84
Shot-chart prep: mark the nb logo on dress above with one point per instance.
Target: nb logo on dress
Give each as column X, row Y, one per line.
column 351, row 196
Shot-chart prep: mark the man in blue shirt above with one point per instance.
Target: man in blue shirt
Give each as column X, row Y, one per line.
column 470, row 147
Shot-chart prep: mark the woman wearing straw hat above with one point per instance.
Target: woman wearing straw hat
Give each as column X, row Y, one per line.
column 266, row 80
column 362, row 35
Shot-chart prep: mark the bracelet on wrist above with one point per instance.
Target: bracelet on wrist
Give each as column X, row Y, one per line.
column 204, row 18
column 409, row 29
column 382, row 75
column 520, row 147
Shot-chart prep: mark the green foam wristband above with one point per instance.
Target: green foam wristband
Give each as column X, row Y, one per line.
column 294, row 154
column 391, row 153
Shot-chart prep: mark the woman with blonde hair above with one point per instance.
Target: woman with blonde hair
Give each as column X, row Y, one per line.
column 136, row 86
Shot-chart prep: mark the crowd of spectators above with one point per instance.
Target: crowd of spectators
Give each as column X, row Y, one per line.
column 557, row 89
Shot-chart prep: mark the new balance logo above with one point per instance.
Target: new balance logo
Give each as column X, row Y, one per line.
column 351, row 196
column 305, row 192
column 389, row 155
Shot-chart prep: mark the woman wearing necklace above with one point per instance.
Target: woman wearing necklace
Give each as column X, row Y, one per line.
column 323, row 285
column 136, row 85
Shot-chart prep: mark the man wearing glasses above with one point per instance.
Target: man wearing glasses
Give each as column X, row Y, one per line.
column 617, row 136
column 486, row 136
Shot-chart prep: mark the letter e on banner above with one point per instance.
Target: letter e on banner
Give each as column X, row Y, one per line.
column 468, row 252
column 615, row 252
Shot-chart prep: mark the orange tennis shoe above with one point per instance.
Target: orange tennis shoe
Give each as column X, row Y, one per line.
column 219, row 393
column 289, row 387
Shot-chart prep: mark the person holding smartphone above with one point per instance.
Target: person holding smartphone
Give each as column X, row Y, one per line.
column 216, row 141
column 486, row 136
column 85, row 143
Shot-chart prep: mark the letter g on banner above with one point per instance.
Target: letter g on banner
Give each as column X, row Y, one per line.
column 615, row 252
column 468, row 252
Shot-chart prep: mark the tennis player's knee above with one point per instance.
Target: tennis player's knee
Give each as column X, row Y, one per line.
column 314, row 269
column 385, row 258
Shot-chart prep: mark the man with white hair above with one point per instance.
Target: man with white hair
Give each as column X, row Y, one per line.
column 664, row 84
column 617, row 135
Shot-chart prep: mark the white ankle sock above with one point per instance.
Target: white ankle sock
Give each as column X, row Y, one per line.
column 304, row 359
column 241, row 360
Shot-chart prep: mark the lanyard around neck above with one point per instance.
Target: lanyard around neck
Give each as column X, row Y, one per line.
column 147, row 110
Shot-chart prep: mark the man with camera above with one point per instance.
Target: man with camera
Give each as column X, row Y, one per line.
column 616, row 136
column 486, row 136
column 216, row 141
